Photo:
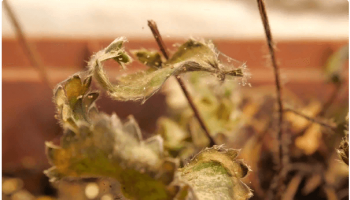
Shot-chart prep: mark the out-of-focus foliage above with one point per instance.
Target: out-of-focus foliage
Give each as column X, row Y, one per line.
column 311, row 147
column 335, row 64
column 84, row 189
column 218, row 104
column 13, row 189
column 253, row 126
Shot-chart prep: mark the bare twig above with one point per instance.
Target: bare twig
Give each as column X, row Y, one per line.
column 332, row 127
column 33, row 58
column 282, row 152
column 153, row 26
column 293, row 187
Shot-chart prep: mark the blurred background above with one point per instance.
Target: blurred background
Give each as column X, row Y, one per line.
column 63, row 34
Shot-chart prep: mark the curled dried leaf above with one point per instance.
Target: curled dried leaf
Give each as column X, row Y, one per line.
column 191, row 56
column 73, row 100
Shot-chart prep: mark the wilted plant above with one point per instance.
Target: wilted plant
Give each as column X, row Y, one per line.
column 95, row 144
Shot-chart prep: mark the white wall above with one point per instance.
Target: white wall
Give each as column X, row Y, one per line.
column 176, row 18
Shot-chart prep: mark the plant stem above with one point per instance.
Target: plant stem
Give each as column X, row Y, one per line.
column 153, row 26
column 282, row 152
column 311, row 119
column 33, row 57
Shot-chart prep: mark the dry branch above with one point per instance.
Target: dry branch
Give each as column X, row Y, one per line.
column 153, row 26
column 282, row 158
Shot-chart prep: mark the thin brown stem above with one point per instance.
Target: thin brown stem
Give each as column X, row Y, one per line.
column 153, row 26
column 313, row 120
column 33, row 58
column 293, row 187
column 282, row 157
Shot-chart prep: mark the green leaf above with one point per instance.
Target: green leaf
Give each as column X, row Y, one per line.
column 150, row 58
